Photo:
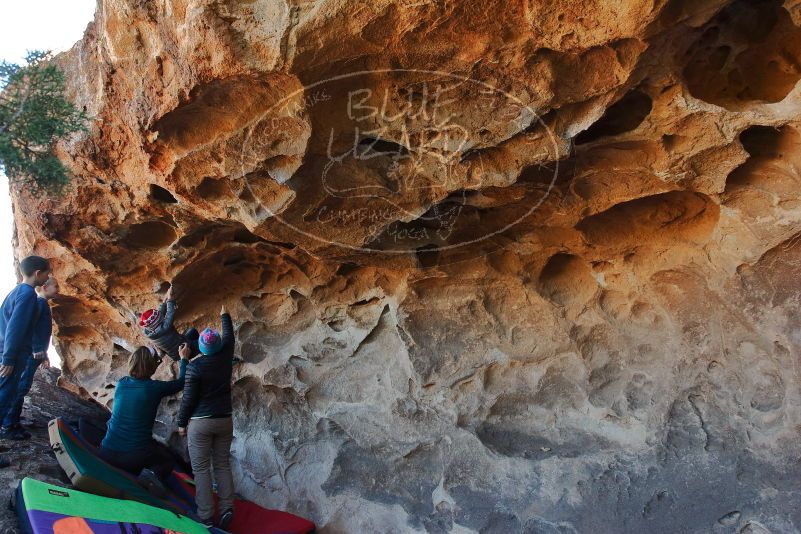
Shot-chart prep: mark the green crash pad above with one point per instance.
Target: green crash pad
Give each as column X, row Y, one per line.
column 89, row 473
column 45, row 508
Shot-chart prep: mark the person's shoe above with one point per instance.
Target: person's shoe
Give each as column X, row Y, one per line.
column 225, row 519
column 14, row 434
column 208, row 523
column 151, row 483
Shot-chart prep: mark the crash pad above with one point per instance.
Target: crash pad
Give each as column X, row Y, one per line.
column 250, row 518
column 88, row 472
column 45, row 508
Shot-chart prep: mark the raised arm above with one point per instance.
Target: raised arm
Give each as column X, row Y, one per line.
column 171, row 387
column 227, row 328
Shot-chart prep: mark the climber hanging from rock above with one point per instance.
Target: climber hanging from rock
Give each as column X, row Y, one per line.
column 158, row 327
column 18, row 318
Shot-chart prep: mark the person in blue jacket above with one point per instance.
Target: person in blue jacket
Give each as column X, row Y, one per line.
column 42, row 331
column 18, row 315
column 129, row 442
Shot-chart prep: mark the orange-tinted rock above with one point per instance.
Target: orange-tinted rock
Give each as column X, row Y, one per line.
column 494, row 266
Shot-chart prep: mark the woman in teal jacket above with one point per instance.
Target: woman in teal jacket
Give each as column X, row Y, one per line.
column 129, row 442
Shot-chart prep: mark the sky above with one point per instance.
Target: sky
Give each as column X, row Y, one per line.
column 33, row 25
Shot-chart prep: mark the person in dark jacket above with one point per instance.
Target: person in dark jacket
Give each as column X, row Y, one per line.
column 158, row 327
column 129, row 442
column 42, row 331
column 206, row 409
column 18, row 315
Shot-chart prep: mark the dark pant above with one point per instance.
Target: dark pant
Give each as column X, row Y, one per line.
column 210, row 450
column 9, row 385
column 190, row 336
column 153, row 457
column 24, row 386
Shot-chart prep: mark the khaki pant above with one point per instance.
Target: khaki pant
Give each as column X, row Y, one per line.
column 210, row 446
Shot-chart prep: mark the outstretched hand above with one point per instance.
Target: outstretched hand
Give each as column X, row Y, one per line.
column 6, row 370
column 223, row 310
column 168, row 296
column 184, row 351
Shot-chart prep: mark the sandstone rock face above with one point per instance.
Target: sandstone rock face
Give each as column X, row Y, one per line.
column 500, row 266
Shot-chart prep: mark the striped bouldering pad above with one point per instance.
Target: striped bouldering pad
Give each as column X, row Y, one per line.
column 44, row 508
column 88, row 472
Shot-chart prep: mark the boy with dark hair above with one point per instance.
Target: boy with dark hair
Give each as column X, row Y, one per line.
column 158, row 328
column 18, row 315
column 42, row 331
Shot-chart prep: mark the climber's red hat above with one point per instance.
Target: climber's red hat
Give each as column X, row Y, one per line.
column 150, row 318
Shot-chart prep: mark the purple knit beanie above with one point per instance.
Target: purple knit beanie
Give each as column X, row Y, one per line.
column 210, row 341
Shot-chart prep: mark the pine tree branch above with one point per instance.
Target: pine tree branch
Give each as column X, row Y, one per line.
column 18, row 113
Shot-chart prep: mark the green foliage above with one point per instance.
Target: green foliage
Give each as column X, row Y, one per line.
column 33, row 115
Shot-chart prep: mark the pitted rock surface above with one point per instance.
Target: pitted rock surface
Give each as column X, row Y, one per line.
column 500, row 266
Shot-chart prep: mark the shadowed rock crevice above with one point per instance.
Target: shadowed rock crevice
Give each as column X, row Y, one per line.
column 773, row 162
column 150, row 234
column 750, row 52
column 622, row 116
column 162, row 195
